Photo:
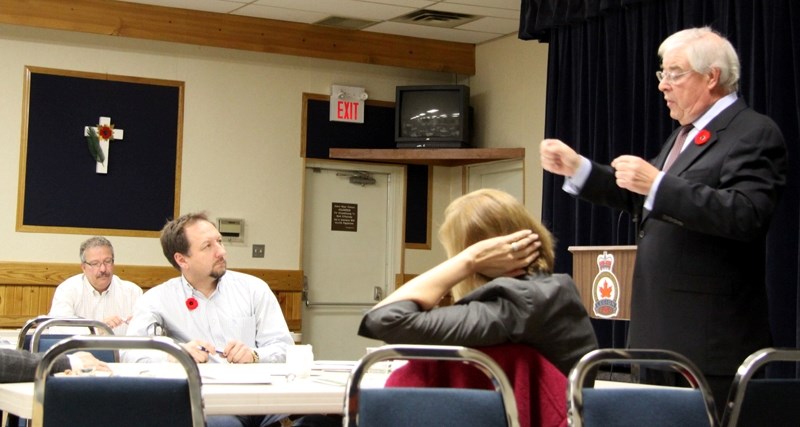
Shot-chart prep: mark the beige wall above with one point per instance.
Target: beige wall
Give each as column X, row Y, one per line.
column 508, row 94
column 242, row 120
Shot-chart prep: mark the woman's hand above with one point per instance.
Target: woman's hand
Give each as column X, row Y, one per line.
column 507, row 255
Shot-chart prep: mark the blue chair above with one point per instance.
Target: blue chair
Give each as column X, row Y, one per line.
column 763, row 401
column 73, row 401
column 400, row 406
column 652, row 406
column 41, row 341
column 27, row 332
column 37, row 341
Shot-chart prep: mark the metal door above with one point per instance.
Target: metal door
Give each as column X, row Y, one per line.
column 350, row 252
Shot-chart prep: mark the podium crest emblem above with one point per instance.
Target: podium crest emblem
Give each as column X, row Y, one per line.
column 605, row 288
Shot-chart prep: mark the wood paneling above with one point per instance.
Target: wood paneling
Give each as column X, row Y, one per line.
column 429, row 156
column 116, row 18
column 27, row 288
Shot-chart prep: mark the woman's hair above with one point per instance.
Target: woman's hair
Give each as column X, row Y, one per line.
column 706, row 49
column 487, row 213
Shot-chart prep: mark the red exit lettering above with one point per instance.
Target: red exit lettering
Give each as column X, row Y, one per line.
column 347, row 110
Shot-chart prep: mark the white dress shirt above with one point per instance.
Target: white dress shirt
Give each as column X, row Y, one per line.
column 242, row 308
column 75, row 297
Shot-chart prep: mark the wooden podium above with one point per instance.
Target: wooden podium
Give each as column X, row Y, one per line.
column 604, row 275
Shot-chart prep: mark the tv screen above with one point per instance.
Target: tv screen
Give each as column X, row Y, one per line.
column 433, row 116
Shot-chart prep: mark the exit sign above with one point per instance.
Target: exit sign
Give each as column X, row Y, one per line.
column 347, row 104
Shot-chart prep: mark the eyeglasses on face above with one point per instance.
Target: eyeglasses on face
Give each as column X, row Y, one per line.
column 670, row 76
column 96, row 264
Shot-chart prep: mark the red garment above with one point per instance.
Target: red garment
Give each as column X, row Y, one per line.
column 534, row 379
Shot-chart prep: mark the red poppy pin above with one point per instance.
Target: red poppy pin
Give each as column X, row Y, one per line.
column 702, row 137
column 191, row 303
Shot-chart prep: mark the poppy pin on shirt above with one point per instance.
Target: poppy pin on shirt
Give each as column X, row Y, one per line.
column 191, row 303
column 702, row 137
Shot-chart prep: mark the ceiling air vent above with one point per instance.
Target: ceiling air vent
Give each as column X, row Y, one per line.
column 346, row 23
column 436, row 18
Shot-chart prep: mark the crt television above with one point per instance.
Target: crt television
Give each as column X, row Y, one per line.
column 432, row 116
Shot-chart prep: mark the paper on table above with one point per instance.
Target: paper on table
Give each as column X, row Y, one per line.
column 215, row 373
column 334, row 365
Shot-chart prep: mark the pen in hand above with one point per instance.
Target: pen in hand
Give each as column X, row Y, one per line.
column 202, row 348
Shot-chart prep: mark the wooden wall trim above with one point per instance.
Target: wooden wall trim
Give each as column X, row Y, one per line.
column 117, row 18
column 51, row 274
column 26, row 288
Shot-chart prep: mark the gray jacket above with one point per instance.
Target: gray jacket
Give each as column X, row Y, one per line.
column 543, row 311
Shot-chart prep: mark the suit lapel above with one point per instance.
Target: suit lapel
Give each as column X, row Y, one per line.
column 695, row 149
column 706, row 138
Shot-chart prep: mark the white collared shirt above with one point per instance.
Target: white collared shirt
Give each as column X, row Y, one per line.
column 242, row 308
column 75, row 297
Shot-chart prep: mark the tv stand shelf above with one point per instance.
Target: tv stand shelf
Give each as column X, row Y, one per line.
column 428, row 156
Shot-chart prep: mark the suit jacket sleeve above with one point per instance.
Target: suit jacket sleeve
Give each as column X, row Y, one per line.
column 20, row 366
column 726, row 187
column 543, row 311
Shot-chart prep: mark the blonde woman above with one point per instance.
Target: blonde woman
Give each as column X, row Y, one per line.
column 502, row 283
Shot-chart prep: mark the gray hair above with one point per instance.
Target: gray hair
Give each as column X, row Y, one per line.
column 706, row 49
column 95, row 242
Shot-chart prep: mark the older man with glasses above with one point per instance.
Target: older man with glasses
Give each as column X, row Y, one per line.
column 97, row 293
column 703, row 208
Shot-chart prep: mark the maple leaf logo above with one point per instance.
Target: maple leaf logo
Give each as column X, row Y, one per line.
column 605, row 290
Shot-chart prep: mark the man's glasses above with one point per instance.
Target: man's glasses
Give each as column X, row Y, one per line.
column 97, row 264
column 670, row 76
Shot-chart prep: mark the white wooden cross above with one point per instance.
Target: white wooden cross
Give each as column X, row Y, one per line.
column 102, row 167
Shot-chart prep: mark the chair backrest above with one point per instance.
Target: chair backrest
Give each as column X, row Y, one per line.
column 40, row 341
column 639, row 406
column 389, row 407
column 763, row 401
column 24, row 339
column 539, row 387
column 69, row 401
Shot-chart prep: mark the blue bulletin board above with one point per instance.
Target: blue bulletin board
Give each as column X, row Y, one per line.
column 61, row 190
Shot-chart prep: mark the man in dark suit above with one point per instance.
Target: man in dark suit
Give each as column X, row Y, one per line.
column 20, row 365
column 699, row 278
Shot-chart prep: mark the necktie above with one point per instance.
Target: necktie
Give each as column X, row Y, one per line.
column 676, row 147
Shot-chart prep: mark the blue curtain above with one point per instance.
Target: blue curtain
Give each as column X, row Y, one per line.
column 602, row 98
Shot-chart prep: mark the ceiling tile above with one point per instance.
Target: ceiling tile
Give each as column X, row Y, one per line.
column 498, row 26
column 216, row 6
column 476, row 10
column 495, row 17
column 281, row 14
column 411, row 30
column 346, row 8
column 500, row 4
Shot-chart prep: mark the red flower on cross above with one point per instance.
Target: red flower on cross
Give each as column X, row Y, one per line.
column 105, row 132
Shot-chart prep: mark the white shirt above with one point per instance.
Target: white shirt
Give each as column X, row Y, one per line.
column 75, row 297
column 242, row 308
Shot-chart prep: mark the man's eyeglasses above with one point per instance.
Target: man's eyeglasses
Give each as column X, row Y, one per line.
column 670, row 76
column 97, row 264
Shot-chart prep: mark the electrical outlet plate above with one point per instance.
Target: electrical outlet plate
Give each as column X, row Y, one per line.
column 258, row 251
